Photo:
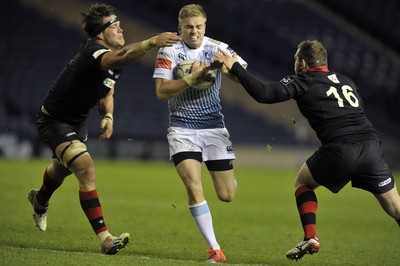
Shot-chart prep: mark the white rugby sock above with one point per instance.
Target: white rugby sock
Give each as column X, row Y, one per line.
column 202, row 216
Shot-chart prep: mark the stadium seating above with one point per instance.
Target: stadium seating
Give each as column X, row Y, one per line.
column 264, row 32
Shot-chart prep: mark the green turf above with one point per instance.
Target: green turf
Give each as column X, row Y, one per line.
column 149, row 201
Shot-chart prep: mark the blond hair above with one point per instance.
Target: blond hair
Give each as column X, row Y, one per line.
column 192, row 10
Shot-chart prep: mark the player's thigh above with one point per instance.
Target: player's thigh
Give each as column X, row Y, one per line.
column 53, row 132
column 216, row 145
column 390, row 202
column 224, row 183
column 190, row 172
column 333, row 164
column 304, row 177
column 373, row 173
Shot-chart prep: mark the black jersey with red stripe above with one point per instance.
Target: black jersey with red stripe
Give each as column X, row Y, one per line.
column 330, row 101
column 81, row 84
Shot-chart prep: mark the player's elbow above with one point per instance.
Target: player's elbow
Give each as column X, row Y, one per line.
column 161, row 96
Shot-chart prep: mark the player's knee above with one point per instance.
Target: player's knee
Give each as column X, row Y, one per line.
column 226, row 198
column 194, row 192
column 86, row 175
column 71, row 152
column 227, row 195
column 86, row 170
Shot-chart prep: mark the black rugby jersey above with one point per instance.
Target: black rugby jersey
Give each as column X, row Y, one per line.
column 80, row 85
column 329, row 100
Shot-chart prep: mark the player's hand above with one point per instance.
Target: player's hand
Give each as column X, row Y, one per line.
column 225, row 58
column 216, row 64
column 200, row 70
column 106, row 126
column 167, row 39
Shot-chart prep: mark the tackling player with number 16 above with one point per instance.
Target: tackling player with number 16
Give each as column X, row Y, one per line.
column 350, row 150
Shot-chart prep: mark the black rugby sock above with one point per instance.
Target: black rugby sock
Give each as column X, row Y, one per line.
column 46, row 191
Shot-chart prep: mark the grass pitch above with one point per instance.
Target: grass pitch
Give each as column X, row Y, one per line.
column 148, row 200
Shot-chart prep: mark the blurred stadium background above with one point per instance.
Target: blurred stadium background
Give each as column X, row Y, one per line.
column 362, row 39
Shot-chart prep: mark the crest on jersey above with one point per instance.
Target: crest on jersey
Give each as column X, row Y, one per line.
column 333, row 78
column 286, row 80
column 208, row 55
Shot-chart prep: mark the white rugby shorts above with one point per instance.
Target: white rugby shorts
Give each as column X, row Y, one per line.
column 214, row 144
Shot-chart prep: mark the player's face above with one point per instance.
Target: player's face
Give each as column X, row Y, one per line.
column 112, row 35
column 192, row 31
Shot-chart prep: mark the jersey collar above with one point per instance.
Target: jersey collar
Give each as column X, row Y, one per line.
column 318, row 68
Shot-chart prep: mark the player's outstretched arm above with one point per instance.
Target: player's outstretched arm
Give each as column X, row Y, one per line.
column 262, row 92
column 132, row 52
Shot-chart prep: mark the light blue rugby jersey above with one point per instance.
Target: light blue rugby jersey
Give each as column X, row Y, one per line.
column 193, row 108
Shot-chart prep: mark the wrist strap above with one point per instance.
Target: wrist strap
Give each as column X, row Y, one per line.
column 190, row 80
column 109, row 116
column 148, row 44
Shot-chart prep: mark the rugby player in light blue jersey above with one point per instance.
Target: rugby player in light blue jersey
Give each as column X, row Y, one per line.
column 197, row 130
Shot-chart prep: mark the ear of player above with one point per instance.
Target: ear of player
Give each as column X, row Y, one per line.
column 184, row 69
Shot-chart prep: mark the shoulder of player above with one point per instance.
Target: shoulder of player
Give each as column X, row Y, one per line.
column 92, row 48
column 341, row 75
column 92, row 45
column 295, row 80
column 211, row 41
column 289, row 79
column 171, row 49
column 171, row 52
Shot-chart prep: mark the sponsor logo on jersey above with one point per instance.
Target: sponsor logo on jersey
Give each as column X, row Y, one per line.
column 229, row 149
column 286, row 80
column 181, row 56
column 163, row 63
column 385, row 182
column 333, row 78
column 230, row 50
column 109, row 83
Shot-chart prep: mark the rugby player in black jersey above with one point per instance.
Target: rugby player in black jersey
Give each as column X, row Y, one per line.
column 87, row 80
column 350, row 147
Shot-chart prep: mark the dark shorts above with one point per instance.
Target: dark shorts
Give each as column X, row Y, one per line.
column 214, row 165
column 53, row 132
column 334, row 165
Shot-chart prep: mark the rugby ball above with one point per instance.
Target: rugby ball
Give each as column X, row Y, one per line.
column 184, row 68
